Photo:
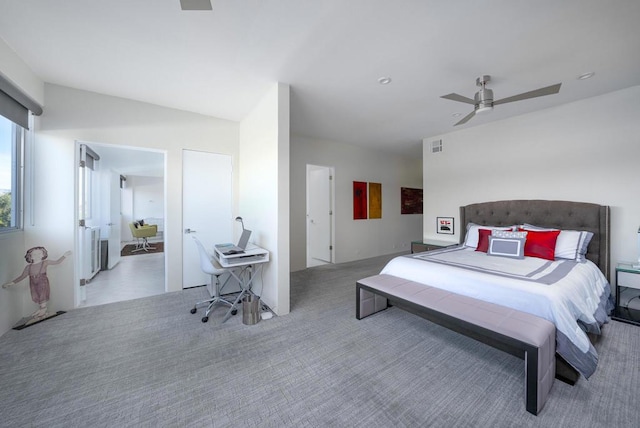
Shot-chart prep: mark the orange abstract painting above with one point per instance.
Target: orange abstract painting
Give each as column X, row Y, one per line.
column 375, row 200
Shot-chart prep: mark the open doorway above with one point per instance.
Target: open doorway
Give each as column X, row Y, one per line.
column 119, row 187
column 320, row 224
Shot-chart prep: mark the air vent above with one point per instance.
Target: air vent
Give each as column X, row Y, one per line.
column 436, row 146
column 195, row 5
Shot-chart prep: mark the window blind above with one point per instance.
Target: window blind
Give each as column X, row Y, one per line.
column 88, row 157
column 15, row 105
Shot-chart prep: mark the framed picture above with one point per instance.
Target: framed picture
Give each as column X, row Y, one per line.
column 444, row 225
column 375, row 200
column 410, row 201
column 359, row 200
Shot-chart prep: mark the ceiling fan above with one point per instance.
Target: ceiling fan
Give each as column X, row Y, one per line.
column 483, row 100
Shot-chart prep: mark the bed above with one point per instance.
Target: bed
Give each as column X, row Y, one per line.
column 573, row 294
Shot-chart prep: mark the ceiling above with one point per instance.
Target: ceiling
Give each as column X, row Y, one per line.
column 332, row 53
column 130, row 161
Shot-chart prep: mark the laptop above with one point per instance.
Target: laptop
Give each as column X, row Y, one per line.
column 228, row 249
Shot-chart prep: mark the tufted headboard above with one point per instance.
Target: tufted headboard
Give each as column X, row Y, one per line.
column 557, row 214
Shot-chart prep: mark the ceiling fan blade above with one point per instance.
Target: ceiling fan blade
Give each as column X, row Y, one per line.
column 549, row 90
column 466, row 118
column 460, row 98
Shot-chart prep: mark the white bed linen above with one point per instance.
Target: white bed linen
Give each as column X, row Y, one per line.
column 574, row 297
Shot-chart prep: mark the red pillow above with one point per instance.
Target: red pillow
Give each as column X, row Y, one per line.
column 541, row 244
column 483, row 240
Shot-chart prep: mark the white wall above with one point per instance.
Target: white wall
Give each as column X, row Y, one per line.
column 12, row 262
column 12, row 67
column 72, row 115
column 148, row 196
column 587, row 151
column 355, row 239
column 126, row 211
column 17, row 299
column 142, row 199
column 264, row 189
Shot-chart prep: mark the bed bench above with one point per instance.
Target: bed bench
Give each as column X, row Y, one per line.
column 524, row 335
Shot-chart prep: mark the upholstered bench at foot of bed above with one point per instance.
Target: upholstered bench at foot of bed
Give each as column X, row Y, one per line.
column 524, row 335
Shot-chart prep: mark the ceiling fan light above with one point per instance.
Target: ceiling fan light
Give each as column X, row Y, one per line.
column 484, row 109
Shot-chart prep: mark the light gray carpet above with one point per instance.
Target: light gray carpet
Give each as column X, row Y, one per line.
column 150, row 363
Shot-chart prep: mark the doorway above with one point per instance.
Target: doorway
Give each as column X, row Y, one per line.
column 320, row 219
column 117, row 185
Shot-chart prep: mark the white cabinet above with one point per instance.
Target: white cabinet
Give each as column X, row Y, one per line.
column 92, row 253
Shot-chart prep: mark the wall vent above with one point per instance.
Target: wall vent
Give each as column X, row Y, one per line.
column 195, row 5
column 436, row 146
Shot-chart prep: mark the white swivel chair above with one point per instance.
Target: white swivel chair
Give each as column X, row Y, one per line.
column 213, row 268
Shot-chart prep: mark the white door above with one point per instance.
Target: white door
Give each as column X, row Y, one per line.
column 113, row 223
column 206, row 209
column 319, row 214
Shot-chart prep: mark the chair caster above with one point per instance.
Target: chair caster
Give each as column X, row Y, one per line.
column 233, row 312
column 194, row 310
column 205, row 319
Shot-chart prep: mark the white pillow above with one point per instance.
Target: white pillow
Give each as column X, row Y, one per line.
column 571, row 244
column 508, row 234
column 472, row 236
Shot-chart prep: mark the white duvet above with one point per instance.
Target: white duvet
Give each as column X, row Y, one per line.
column 575, row 296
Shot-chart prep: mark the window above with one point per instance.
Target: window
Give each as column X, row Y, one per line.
column 88, row 164
column 11, row 154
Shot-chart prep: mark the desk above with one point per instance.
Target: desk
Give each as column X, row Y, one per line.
column 241, row 267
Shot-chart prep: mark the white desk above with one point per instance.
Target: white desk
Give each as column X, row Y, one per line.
column 250, row 256
column 243, row 267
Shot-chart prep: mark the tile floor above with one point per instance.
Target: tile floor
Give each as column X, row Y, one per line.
column 133, row 277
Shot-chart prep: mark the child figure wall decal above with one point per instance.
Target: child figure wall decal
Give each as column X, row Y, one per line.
column 36, row 270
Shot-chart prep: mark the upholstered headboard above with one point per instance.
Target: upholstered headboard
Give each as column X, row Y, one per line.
column 557, row 214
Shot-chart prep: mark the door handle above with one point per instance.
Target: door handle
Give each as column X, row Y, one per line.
column 187, row 231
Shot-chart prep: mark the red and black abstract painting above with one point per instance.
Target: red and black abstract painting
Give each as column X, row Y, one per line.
column 359, row 200
column 411, row 200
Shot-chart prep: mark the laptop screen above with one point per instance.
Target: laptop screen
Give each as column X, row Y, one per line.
column 244, row 239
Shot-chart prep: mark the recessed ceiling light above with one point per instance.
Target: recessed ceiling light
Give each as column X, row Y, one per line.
column 586, row 76
column 384, row 80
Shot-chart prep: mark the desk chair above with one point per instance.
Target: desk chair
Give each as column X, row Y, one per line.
column 213, row 268
column 143, row 233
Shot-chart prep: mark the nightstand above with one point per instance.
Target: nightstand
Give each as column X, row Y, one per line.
column 428, row 245
column 627, row 288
